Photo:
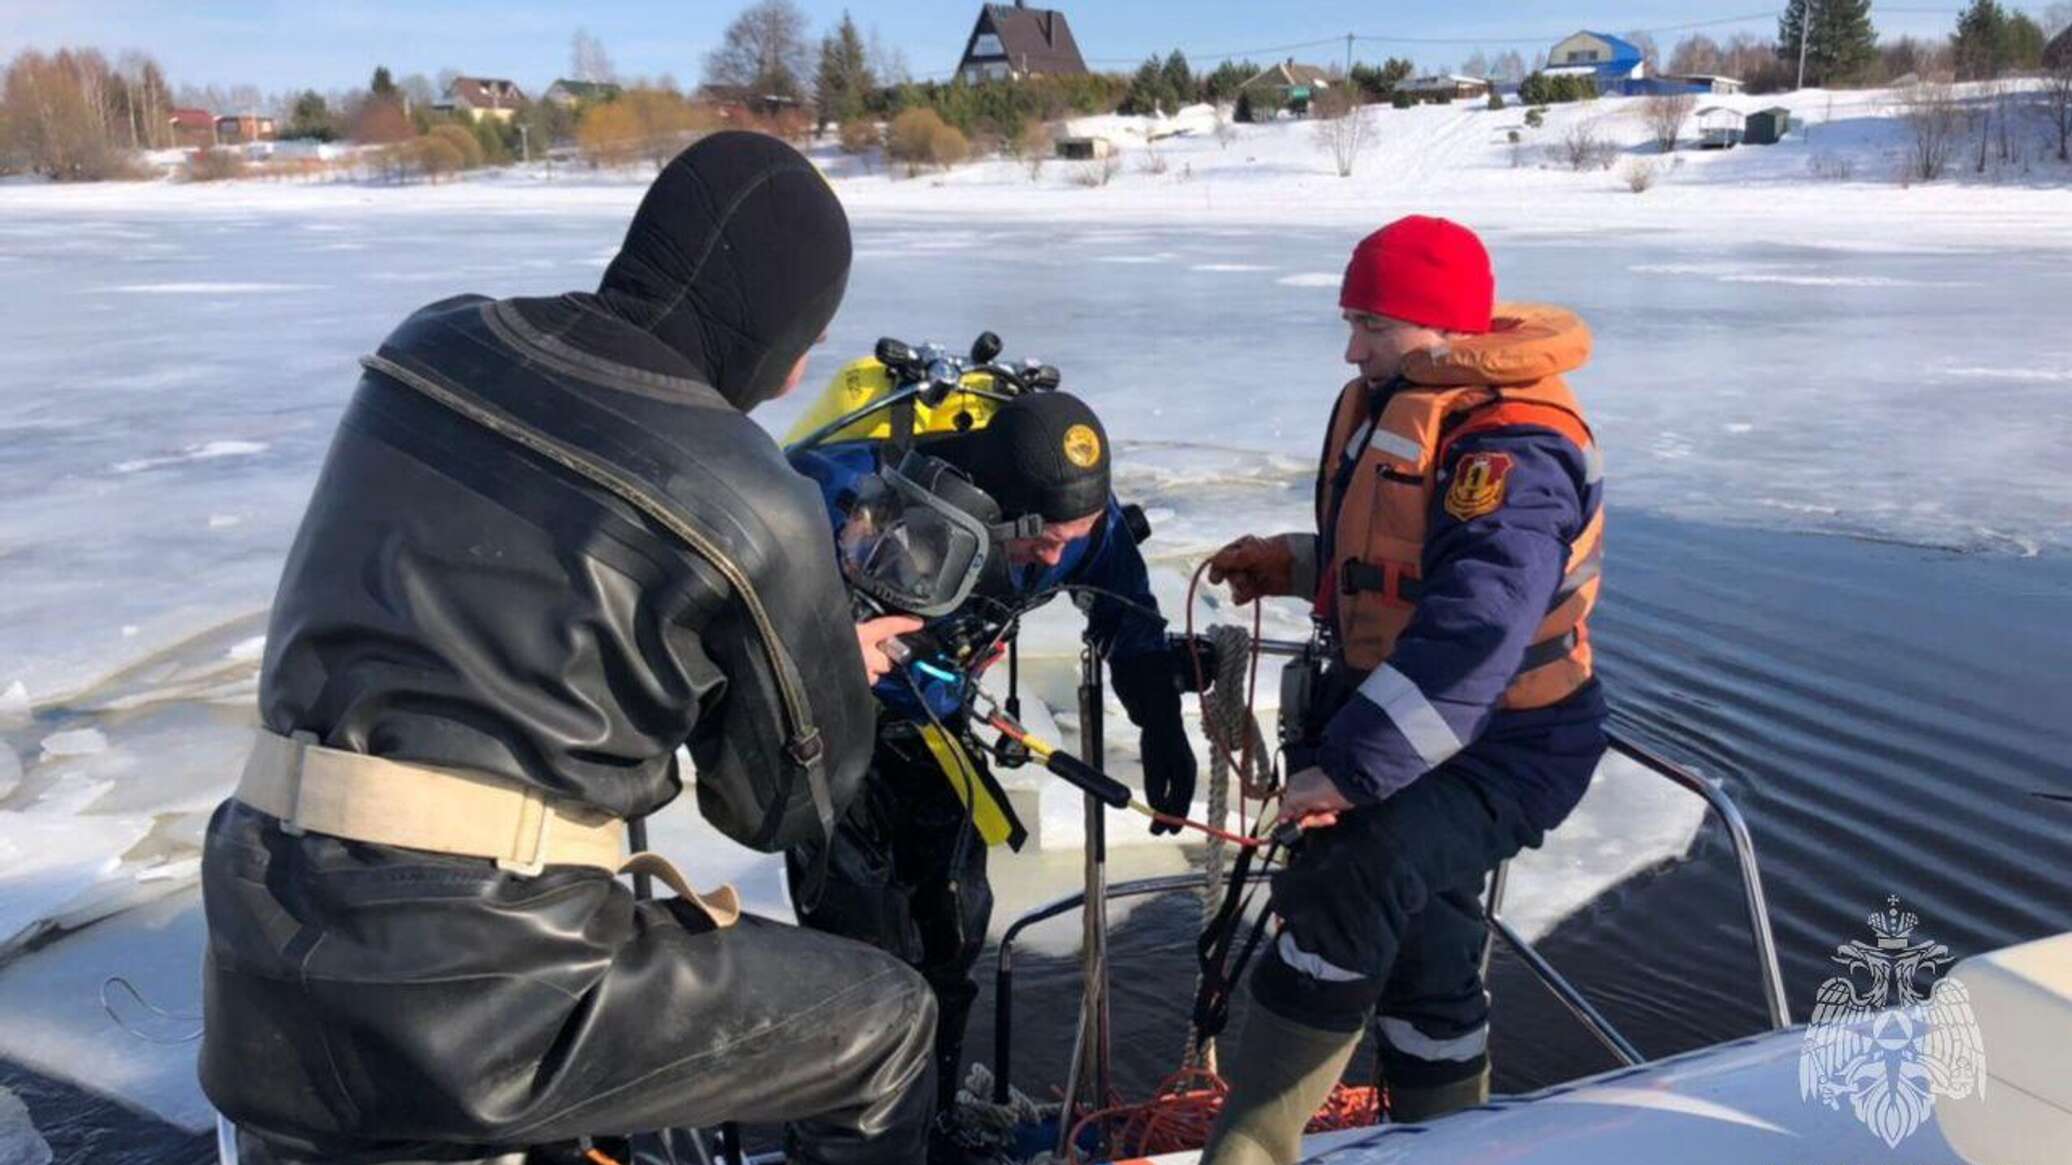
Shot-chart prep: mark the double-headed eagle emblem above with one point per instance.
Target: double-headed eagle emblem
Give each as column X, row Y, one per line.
column 1886, row 1042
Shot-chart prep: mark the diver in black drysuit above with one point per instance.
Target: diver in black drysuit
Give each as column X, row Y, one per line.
column 454, row 598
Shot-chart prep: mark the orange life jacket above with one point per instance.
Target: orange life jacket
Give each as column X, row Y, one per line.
column 1373, row 508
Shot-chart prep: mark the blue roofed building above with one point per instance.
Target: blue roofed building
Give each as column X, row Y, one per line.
column 1614, row 64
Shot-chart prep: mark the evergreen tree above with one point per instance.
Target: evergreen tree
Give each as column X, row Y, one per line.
column 844, row 81
column 310, row 118
column 1378, row 82
column 1992, row 41
column 1148, row 91
column 1222, row 84
column 1980, row 43
column 1840, row 42
column 2024, row 43
column 383, row 86
column 1179, row 79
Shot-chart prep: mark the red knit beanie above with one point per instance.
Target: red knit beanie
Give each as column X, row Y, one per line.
column 1428, row 271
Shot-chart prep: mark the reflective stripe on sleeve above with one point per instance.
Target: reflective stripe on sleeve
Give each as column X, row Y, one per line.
column 1413, row 715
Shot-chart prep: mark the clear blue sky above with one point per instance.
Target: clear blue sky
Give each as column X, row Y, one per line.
column 331, row 44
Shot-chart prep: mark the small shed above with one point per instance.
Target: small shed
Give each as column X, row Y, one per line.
column 1719, row 128
column 1084, row 149
column 1767, row 127
column 1448, row 87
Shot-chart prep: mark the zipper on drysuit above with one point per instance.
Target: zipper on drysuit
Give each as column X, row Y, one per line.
column 805, row 744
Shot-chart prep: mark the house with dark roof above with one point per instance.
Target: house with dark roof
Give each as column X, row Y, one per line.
column 1445, row 87
column 2058, row 53
column 1611, row 62
column 480, row 97
column 193, row 128
column 1287, row 85
column 1289, row 75
column 234, row 129
column 568, row 94
column 1012, row 41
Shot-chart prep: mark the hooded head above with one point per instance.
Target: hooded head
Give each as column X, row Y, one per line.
column 1043, row 453
column 736, row 259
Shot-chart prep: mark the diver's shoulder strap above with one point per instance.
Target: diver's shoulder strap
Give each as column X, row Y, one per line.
column 350, row 795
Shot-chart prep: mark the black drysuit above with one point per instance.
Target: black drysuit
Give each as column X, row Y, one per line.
column 456, row 597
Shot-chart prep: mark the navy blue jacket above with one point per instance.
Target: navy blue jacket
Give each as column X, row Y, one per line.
column 1487, row 585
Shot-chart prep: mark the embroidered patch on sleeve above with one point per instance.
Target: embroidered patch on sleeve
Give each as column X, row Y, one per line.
column 1478, row 485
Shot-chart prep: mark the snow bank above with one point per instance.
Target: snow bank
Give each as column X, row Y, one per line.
column 1456, row 157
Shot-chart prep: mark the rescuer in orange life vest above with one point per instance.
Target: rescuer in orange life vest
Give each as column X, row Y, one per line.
column 1459, row 525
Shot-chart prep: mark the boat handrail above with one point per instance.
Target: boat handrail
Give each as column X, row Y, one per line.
column 1715, row 798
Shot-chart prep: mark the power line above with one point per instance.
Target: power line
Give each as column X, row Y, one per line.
column 1452, row 42
column 1209, row 56
column 1771, row 14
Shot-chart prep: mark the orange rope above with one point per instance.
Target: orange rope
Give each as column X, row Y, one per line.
column 1184, row 1108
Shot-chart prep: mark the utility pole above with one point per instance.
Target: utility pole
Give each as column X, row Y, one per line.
column 1805, row 31
column 525, row 142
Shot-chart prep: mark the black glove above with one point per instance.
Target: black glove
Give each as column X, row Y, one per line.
column 1146, row 686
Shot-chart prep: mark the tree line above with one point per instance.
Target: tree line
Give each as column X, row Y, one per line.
column 74, row 114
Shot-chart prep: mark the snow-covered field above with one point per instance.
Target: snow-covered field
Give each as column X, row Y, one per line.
column 1774, row 349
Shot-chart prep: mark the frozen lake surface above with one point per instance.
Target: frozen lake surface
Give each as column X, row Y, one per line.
column 170, row 381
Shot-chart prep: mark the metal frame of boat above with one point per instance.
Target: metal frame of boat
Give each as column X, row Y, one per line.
column 1090, row 1063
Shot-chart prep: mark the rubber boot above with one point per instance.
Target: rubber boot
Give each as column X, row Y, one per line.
column 1417, row 1105
column 1281, row 1074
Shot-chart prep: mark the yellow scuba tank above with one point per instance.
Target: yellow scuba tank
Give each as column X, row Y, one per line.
column 861, row 382
column 857, row 385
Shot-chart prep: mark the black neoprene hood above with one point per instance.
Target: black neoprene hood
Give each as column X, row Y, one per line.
column 736, row 259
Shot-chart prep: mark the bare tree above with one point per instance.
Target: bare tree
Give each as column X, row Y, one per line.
column 1341, row 127
column 1650, row 52
column 2057, row 102
column 65, row 115
column 763, row 52
column 1666, row 114
column 1034, row 146
column 1151, row 159
column 419, row 91
column 1096, row 172
column 888, row 62
column 149, row 102
column 1696, row 54
column 1508, row 67
column 1991, row 115
column 587, row 60
column 1582, row 149
column 1935, row 122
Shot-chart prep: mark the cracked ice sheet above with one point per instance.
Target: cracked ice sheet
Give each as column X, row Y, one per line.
column 52, row 852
